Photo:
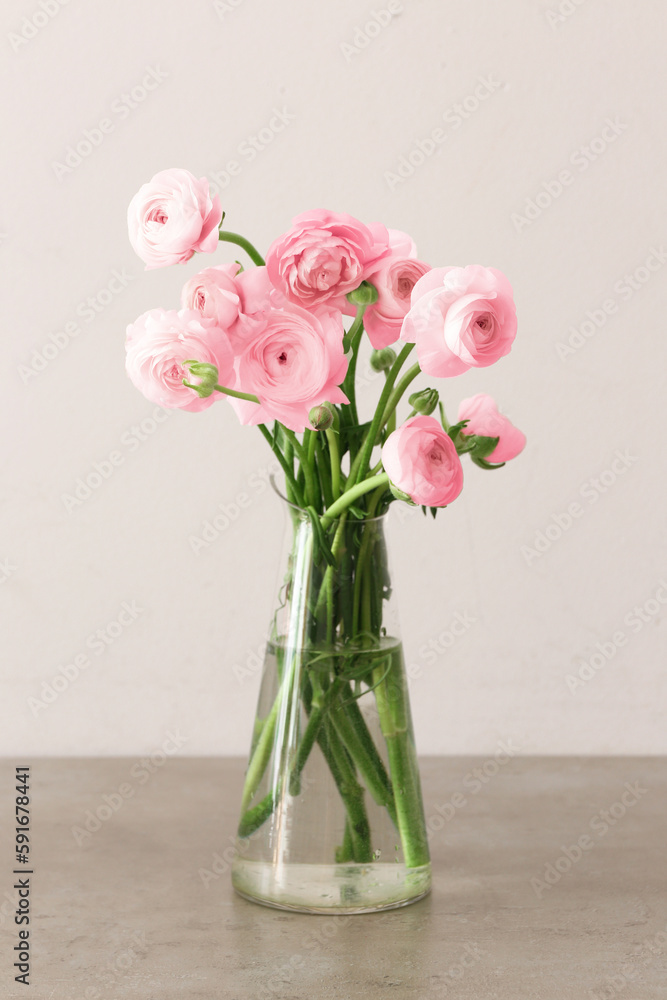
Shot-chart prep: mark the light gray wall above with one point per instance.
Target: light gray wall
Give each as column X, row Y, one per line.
column 553, row 81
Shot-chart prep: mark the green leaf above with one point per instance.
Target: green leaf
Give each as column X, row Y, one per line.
column 351, row 436
column 483, row 464
column 483, row 446
column 455, row 429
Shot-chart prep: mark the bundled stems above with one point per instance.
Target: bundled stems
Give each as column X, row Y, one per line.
column 342, row 638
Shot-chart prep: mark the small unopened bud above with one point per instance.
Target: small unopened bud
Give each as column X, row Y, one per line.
column 322, row 417
column 424, row 401
column 207, row 373
column 365, row 295
column 382, row 360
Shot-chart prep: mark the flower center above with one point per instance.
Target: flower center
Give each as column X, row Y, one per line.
column 404, row 286
column 175, row 374
column 279, row 361
column 158, row 215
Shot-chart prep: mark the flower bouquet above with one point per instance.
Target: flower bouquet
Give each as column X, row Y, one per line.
column 331, row 812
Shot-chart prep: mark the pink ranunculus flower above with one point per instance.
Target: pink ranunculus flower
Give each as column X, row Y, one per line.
column 460, row 318
column 256, row 297
column 214, row 293
column 324, row 256
column 421, row 460
column 484, row 419
column 157, row 345
column 394, row 279
column 173, row 216
column 293, row 361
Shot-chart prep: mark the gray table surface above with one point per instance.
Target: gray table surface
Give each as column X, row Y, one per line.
column 131, row 911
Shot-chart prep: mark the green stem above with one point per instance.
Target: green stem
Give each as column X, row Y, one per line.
column 352, row 340
column 262, row 754
column 311, row 731
column 323, row 467
column 350, row 495
column 326, row 590
column 332, row 438
column 344, row 853
column 391, row 702
column 349, row 790
column 289, row 459
column 362, row 750
column 309, row 443
column 289, row 472
column 361, row 463
column 227, row 237
column 235, row 392
column 362, row 561
column 253, row 818
column 226, row 391
column 395, row 397
column 305, row 465
column 356, row 329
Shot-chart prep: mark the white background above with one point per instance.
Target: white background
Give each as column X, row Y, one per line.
column 361, row 99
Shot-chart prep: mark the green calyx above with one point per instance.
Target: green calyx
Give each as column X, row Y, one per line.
column 424, row 401
column 383, row 360
column 322, row 417
column 477, row 446
column 207, row 373
column 365, row 295
column 400, row 495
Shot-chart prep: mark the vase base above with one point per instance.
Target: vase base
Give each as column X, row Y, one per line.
column 339, row 888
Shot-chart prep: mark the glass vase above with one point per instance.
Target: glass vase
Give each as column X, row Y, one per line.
column 332, row 819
